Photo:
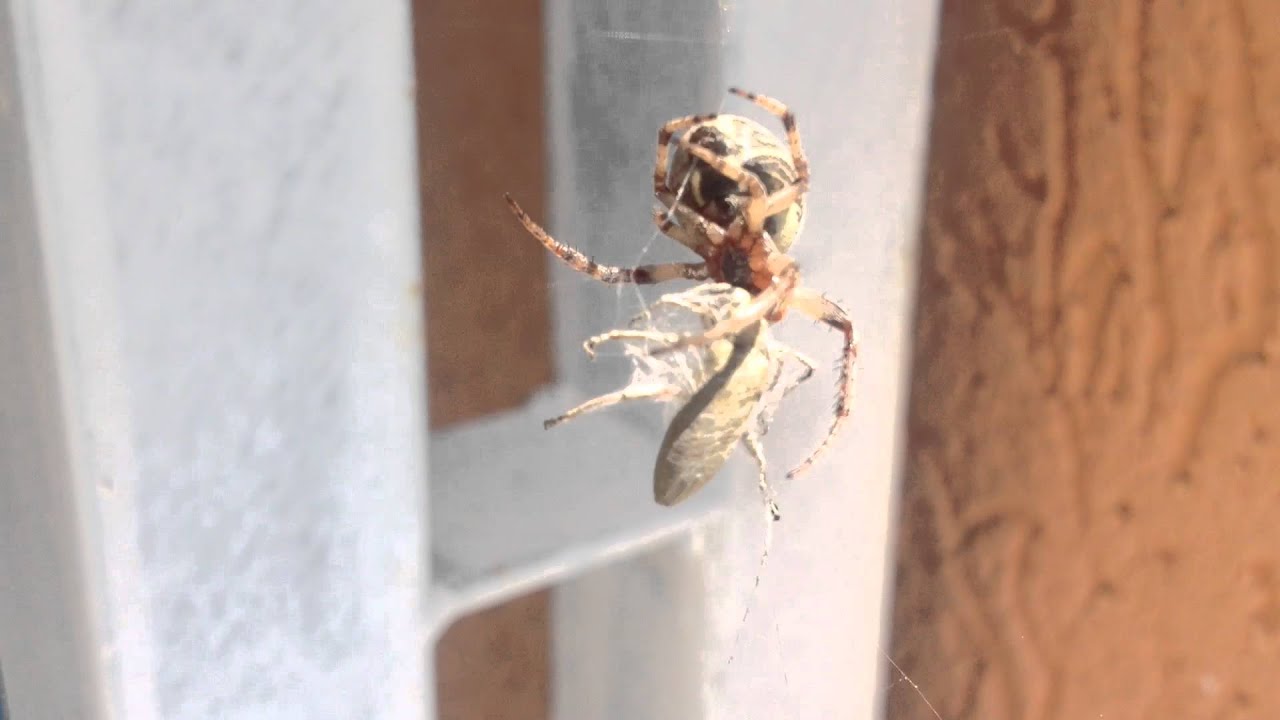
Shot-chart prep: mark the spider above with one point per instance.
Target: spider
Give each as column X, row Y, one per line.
column 739, row 205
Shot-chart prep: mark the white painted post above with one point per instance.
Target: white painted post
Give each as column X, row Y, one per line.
column 213, row 420
column 859, row 76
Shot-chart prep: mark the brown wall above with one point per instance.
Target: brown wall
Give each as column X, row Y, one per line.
column 480, row 90
column 481, row 133
column 1091, row 524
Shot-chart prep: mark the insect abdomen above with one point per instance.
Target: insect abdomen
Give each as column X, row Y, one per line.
column 704, row 431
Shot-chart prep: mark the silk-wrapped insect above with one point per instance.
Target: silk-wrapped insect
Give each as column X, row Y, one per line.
column 721, row 389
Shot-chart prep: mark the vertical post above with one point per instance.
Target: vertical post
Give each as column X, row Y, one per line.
column 46, row 609
column 626, row 637
column 664, row 635
column 219, row 461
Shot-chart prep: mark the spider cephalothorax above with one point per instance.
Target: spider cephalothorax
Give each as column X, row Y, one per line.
column 733, row 193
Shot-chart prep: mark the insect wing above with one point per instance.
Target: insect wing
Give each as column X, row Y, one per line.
column 704, row 430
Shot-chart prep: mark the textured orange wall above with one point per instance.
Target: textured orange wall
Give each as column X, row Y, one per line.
column 1091, row 522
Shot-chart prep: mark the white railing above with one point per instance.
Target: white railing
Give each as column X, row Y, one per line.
column 221, row 276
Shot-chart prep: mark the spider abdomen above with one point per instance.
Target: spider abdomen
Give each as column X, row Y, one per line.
column 746, row 142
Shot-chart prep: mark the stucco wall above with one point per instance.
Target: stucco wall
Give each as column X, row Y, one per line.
column 1091, row 522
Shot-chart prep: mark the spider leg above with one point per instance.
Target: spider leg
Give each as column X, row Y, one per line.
column 788, row 118
column 685, row 226
column 752, row 442
column 627, row 394
column 783, row 199
column 745, row 316
column 758, row 195
column 677, row 231
column 665, row 133
column 826, row 311
column 693, row 231
column 641, row 274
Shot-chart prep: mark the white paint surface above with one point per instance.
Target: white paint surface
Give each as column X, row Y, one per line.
column 858, row 76
column 227, row 226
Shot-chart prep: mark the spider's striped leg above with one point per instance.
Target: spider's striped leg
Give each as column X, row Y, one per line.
column 783, row 199
column 682, row 224
column 626, row 394
column 757, row 202
column 665, row 133
column 641, row 274
column 826, row 311
column 788, row 118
